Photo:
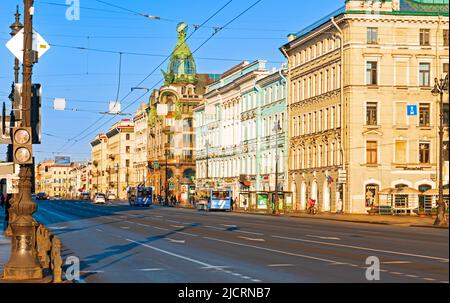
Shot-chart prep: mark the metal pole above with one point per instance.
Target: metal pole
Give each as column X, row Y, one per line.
column 165, row 184
column 440, row 87
column 117, row 173
column 15, row 28
column 23, row 263
column 275, row 211
column 207, row 160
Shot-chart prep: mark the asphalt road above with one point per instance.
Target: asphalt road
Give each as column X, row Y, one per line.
column 118, row 243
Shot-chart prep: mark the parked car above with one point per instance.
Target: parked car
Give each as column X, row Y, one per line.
column 42, row 196
column 85, row 196
column 111, row 196
column 100, row 199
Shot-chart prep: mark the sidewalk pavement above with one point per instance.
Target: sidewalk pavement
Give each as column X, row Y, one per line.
column 5, row 243
column 399, row 220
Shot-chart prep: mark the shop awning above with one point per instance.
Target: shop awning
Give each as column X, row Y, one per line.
column 246, row 183
column 400, row 191
column 435, row 192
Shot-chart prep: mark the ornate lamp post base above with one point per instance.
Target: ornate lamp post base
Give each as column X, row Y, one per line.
column 23, row 263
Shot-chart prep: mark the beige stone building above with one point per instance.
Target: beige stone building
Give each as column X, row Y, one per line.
column 99, row 159
column 363, row 121
column 140, row 162
column 120, row 141
column 54, row 179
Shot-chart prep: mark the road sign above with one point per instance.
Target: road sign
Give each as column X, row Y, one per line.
column 412, row 110
column 15, row 45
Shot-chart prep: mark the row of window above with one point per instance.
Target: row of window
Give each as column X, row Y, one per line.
column 244, row 165
column 372, row 36
column 401, row 152
column 314, row 51
column 316, row 121
column 424, row 74
column 322, row 155
column 321, row 82
column 400, row 114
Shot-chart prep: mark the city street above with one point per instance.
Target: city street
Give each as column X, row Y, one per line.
column 118, row 243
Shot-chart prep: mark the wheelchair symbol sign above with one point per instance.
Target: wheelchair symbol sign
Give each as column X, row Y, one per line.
column 412, row 110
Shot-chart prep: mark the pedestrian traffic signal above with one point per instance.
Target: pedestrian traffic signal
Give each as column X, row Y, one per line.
column 22, row 145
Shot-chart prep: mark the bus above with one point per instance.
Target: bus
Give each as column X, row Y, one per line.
column 220, row 200
column 140, row 196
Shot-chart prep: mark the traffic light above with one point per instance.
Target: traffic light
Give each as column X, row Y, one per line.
column 22, row 145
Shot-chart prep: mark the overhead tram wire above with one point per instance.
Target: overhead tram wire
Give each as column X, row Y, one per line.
column 151, row 55
column 117, row 96
column 228, row 23
column 153, row 71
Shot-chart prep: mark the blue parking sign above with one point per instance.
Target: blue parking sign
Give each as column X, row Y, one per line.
column 412, row 110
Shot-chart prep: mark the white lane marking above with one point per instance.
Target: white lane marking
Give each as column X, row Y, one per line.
column 272, row 250
column 255, row 280
column 396, row 273
column 160, row 228
column 249, row 232
column 429, row 279
column 125, row 227
column 343, row 263
column 412, row 276
column 216, row 267
column 251, row 239
column 176, row 241
column 98, row 229
column 141, row 224
column 228, row 225
column 324, row 238
column 184, row 233
column 159, row 216
column 172, row 254
column 177, row 255
column 397, row 262
column 149, row 269
column 280, row 265
column 178, row 226
column 213, row 227
column 57, row 227
column 92, row 271
column 363, row 248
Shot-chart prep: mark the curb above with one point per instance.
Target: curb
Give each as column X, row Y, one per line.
column 429, row 226
column 347, row 220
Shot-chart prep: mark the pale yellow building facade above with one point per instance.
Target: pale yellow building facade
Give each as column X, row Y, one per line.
column 349, row 146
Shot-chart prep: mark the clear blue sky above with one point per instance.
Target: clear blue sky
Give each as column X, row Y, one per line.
column 89, row 79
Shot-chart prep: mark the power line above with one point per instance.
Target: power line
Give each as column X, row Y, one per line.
column 228, row 23
column 155, row 69
column 153, row 55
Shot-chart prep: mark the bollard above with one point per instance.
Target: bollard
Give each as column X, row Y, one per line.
column 56, row 261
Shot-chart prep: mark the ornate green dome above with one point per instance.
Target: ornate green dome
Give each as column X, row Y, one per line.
column 181, row 67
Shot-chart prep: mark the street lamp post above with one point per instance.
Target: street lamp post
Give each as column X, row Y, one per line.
column 276, row 129
column 116, row 168
column 207, row 159
column 23, row 263
column 166, row 186
column 441, row 87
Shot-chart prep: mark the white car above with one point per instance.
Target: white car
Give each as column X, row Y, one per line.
column 99, row 199
column 111, row 197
